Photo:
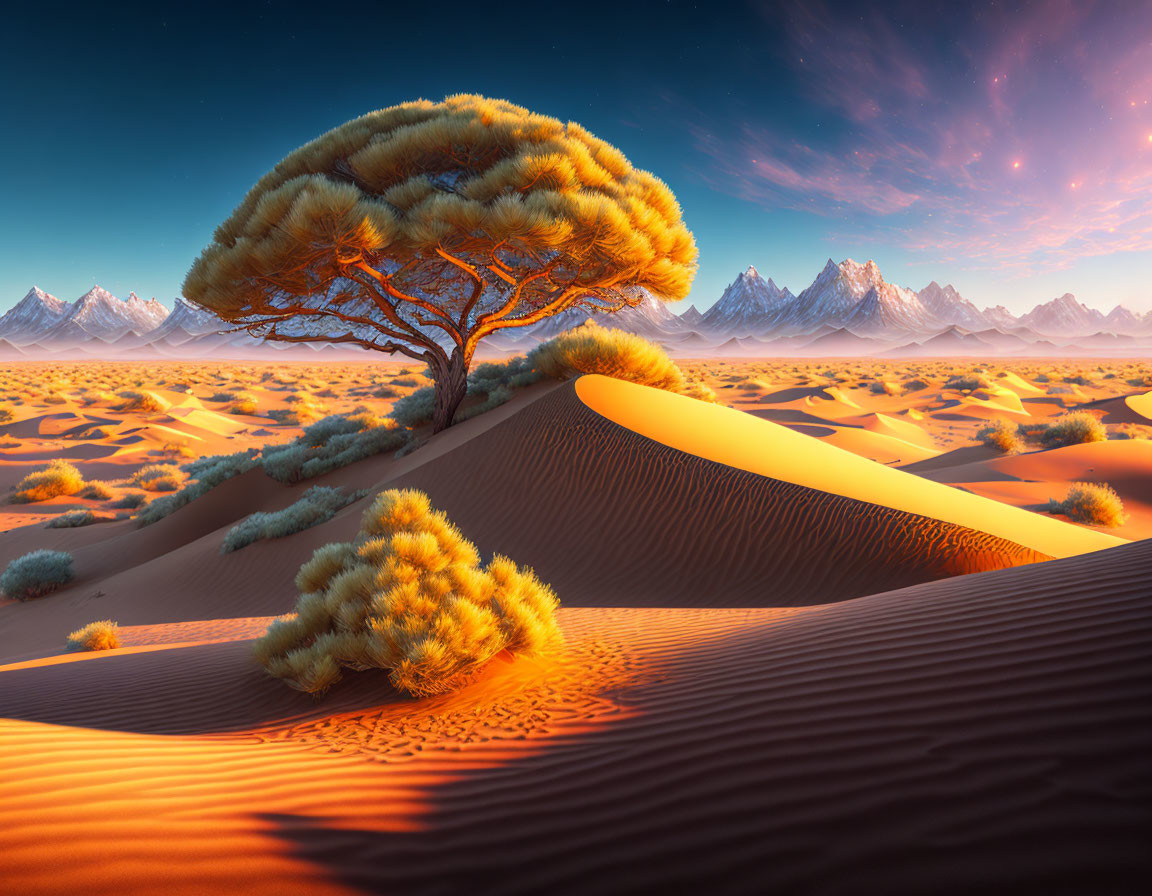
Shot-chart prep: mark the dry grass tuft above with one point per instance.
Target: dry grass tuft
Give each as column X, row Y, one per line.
column 56, row 479
column 1095, row 503
column 101, row 635
column 591, row 348
column 409, row 595
column 158, row 478
column 1072, row 429
column 1002, row 436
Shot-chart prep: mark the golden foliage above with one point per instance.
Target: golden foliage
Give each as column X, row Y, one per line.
column 591, row 348
column 58, row 478
column 1091, row 502
column 471, row 175
column 409, row 595
column 101, row 635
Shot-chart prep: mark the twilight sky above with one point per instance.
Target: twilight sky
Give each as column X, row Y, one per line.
column 1003, row 147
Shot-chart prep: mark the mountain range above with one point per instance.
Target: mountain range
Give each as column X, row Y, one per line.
column 848, row 309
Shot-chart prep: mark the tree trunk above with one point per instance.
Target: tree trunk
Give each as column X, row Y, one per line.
column 451, row 382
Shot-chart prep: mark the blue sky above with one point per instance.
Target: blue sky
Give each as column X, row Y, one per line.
column 1006, row 149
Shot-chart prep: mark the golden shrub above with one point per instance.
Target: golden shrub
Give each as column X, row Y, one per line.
column 1095, row 503
column 58, row 478
column 101, row 635
column 409, row 595
column 591, row 348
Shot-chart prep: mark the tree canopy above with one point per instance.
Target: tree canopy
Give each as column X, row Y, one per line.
column 424, row 227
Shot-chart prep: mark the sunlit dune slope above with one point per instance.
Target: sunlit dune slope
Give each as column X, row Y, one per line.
column 759, row 446
column 612, row 518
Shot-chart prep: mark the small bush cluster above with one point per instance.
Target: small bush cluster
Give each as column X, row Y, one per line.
column 72, row 519
column 409, row 596
column 5, row 415
column 1090, row 502
column 158, row 478
column 591, row 348
column 1072, row 429
column 330, row 444
column 204, row 474
column 36, row 574
column 146, row 402
column 58, row 478
column 966, row 382
column 1002, row 436
column 245, row 403
column 101, row 635
column 317, row 505
column 96, row 490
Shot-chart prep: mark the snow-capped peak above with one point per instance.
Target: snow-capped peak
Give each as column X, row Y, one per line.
column 747, row 304
column 32, row 317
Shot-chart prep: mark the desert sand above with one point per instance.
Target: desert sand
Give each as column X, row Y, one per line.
column 799, row 656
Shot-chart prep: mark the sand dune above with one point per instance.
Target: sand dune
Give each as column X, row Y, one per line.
column 748, row 443
column 991, row 730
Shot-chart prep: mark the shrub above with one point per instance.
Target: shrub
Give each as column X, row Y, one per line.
column 884, row 387
column 591, row 348
column 146, row 402
column 409, row 595
column 95, row 490
column 36, row 574
column 130, row 501
column 1072, row 429
column 245, row 404
column 1002, row 436
column 102, row 635
column 330, row 444
column 158, row 478
column 915, row 385
column 317, row 505
column 58, row 478
column 1090, row 502
column 415, row 409
column 5, row 415
column 966, row 382
column 207, row 473
column 72, row 519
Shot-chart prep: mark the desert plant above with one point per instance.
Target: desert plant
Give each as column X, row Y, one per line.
column 206, row 473
column 246, row 403
column 158, row 478
column 101, row 635
column 317, row 505
column 591, row 348
column 5, row 415
column 36, row 574
column 1091, row 502
column 432, row 224
column 130, row 501
column 1072, row 429
column 1002, row 436
column 330, row 444
column 96, row 490
column 56, row 479
column 966, row 382
column 409, row 595
column 72, row 519
column 145, row 402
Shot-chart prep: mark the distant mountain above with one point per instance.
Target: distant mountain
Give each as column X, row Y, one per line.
column 692, row 317
column 186, row 321
column 747, row 305
column 834, row 295
column 1122, row 321
column 100, row 315
column 951, row 308
column 32, row 317
column 1063, row 317
column 1000, row 318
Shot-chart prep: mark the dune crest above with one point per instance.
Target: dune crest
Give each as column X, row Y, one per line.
column 759, row 446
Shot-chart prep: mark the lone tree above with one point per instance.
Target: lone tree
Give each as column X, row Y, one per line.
column 424, row 227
